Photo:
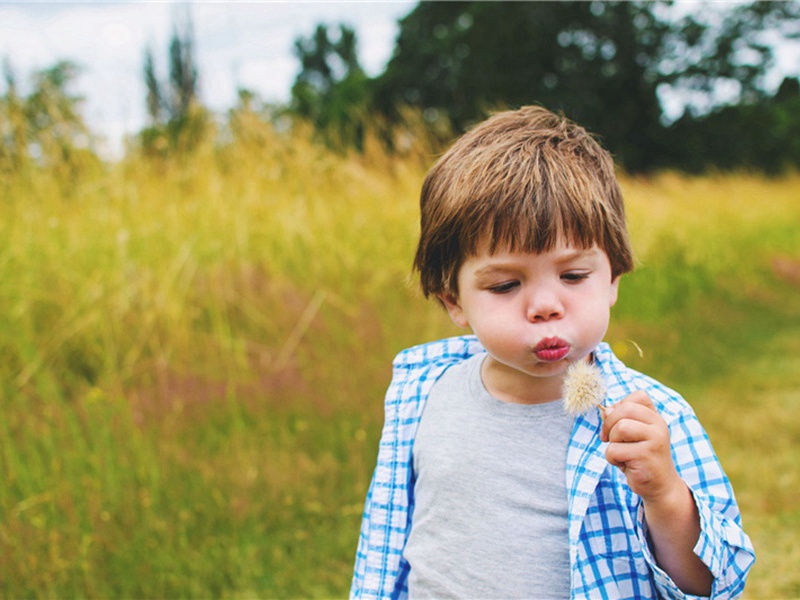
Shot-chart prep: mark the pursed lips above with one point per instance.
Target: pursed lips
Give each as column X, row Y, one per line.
column 551, row 349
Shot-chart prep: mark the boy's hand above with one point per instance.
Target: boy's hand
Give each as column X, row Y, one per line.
column 639, row 445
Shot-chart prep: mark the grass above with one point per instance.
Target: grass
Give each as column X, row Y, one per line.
column 194, row 356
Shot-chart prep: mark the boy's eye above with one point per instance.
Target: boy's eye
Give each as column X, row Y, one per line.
column 574, row 277
column 503, row 288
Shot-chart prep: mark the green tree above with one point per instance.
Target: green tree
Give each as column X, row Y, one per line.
column 154, row 101
column 761, row 136
column 331, row 88
column 13, row 123
column 52, row 109
column 177, row 121
column 46, row 127
column 605, row 64
column 182, row 71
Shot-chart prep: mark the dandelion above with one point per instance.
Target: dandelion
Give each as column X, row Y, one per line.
column 584, row 388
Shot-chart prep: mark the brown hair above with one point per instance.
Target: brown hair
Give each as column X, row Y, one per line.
column 519, row 181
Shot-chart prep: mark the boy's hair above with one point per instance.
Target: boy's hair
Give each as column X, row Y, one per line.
column 520, row 181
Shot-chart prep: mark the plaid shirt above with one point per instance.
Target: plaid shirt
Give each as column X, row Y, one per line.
column 609, row 553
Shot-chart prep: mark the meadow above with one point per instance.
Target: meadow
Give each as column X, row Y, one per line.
column 194, row 352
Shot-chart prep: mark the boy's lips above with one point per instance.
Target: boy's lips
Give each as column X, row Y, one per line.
column 551, row 349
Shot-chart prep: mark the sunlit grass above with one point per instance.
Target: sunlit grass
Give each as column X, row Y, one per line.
column 194, row 355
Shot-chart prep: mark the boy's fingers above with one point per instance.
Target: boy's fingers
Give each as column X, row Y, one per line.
column 629, row 430
column 617, row 455
column 637, row 409
column 629, row 410
column 640, row 397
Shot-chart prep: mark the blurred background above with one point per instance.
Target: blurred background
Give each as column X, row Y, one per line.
column 208, row 213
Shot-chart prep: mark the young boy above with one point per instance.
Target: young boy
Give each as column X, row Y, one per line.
column 485, row 487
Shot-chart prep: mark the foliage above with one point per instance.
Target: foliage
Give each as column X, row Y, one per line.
column 181, row 414
column 14, row 146
column 330, row 90
column 178, row 122
column 760, row 136
column 191, row 389
column 45, row 129
column 608, row 65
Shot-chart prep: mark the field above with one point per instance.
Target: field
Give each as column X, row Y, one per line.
column 193, row 355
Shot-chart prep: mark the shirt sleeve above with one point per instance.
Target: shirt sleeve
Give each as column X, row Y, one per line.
column 359, row 572
column 722, row 545
column 382, row 537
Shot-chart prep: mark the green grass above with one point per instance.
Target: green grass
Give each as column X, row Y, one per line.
column 193, row 359
column 717, row 320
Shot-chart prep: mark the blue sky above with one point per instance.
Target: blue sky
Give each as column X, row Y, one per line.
column 238, row 44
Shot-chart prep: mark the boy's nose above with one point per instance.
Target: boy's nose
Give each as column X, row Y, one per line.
column 544, row 305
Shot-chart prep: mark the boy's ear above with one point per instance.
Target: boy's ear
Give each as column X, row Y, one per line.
column 614, row 291
column 450, row 302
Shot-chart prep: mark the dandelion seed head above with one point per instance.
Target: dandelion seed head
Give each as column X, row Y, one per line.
column 584, row 387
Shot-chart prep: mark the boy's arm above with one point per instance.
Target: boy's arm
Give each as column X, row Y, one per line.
column 689, row 510
column 673, row 524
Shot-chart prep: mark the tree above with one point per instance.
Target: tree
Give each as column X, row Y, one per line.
column 605, row 64
column 13, row 123
column 46, row 127
column 762, row 136
column 176, row 118
column 182, row 71
column 154, row 101
column 331, row 88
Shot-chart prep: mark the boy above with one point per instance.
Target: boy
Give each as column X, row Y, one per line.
column 485, row 487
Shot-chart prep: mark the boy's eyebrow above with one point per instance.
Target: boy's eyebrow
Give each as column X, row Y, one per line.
column 572, row 254
column 493, row 269
column 511, row 265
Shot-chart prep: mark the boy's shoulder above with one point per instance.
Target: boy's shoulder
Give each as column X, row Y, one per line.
column 416, row 369
column 447, row 350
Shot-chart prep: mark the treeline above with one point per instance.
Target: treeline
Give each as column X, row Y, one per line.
column 45, row 126
column 619, row 68
column 612, row 66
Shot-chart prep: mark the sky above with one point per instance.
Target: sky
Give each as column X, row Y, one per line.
column 237, row 44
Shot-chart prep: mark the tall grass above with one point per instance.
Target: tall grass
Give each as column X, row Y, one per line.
column 194, row 355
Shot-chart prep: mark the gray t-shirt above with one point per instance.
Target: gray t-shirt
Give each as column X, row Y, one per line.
column 490, row 516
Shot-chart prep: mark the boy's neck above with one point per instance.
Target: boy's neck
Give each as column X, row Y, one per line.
column 509, row 385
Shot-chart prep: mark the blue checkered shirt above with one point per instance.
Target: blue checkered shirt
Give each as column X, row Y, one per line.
column 609, row 553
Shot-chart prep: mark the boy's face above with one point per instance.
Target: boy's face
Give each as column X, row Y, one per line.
column 535, row 314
